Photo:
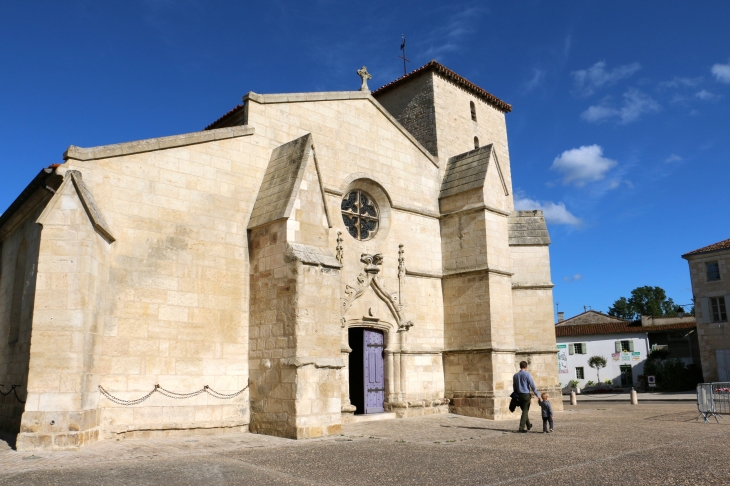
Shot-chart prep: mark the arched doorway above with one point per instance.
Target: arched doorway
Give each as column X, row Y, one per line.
column 367, row 369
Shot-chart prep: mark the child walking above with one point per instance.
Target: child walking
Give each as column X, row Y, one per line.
column 547, row 413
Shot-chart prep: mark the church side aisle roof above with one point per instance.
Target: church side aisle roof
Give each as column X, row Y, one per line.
column 451, row 75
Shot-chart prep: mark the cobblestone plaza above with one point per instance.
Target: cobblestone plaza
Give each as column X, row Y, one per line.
column 594, row 443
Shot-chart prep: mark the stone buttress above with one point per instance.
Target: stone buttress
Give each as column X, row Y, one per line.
column 295, row 358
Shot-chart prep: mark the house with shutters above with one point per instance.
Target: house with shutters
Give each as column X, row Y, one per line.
column 624, row 344
column 709, row 269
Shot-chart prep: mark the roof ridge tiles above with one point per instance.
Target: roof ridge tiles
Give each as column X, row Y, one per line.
column 448, row 73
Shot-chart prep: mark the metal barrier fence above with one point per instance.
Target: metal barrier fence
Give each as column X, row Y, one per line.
column 713, row 399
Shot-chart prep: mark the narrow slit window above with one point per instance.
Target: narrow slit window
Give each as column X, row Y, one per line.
column 476, row 142
column 473, row 111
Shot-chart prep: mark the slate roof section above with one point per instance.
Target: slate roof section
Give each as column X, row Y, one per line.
column 466, row 171
column 47, row 177
column 528, row 228
column 618, row 328
column 452, row 76
column 283, row 176
column 720, row 245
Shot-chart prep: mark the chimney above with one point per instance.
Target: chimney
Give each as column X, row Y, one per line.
column 561, row 317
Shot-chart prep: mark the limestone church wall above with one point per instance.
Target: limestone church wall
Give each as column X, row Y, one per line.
column 221, row 259
column 18, row 270
column 358, row 148
column 175, row 308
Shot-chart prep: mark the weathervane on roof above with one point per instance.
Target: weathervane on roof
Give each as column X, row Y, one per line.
column 403, row 48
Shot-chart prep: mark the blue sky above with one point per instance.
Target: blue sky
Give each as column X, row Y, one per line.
column 619, row 130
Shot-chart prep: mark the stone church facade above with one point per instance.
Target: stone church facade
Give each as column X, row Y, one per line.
column 306, row 258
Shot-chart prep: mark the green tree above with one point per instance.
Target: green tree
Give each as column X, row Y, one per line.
column 622, row 310
column 597, row 362
column 644, row 301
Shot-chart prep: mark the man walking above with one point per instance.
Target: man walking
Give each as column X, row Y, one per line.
column 522, row 384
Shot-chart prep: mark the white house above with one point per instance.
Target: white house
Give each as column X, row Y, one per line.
column 625, row 354
column 622, row 343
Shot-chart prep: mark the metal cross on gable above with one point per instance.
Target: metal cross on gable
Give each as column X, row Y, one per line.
column 403, row 48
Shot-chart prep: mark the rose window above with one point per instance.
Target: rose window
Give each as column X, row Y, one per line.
column 360, row 215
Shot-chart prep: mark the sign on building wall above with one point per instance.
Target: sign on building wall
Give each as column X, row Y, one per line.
column 562, row 358
column 616, row 356
column 626, row 356
column 636, row 356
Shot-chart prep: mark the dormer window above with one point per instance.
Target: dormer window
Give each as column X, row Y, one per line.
column 473, row 111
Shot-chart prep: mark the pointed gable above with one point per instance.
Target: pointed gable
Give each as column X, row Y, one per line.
column 96, row 218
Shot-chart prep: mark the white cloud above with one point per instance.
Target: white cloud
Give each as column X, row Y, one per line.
column 635, row 104
column 454, row 29
column 537, row 78
column 705, row 95
column 555, row 213
column 721, row 72
column 672, row 158
column 587, row 81
column 574, row 278
column 583, row 164
column 678, row 82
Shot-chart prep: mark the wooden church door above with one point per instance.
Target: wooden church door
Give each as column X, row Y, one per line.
column 373, row 346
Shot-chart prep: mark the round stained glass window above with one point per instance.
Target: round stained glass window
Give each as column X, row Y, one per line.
column 360, row 214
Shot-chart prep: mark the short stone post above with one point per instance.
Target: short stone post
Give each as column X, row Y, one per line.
column 634, row 397
column 573, row 398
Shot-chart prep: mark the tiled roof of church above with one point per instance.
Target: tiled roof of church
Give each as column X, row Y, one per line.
column 618, row 327
column 720, row 245
column 449, row 74
column 227, row 115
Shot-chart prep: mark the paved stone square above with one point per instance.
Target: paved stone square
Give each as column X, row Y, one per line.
column 595, row 443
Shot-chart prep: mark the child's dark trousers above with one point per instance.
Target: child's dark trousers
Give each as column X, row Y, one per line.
column 545, row 421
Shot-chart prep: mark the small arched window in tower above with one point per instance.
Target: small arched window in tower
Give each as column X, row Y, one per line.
column 476, row 143
column 473, row 111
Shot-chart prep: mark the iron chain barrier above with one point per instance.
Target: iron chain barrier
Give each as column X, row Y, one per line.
column 13, row 391
column 171, row 394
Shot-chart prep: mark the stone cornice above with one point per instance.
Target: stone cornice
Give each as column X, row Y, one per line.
column 469, row 271
column 528, row 286
column 152, row 144
column 422, row 274
column 476, row 207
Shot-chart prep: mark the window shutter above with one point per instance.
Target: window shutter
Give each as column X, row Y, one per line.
column 618, row 346
column 585, row 348
column 631, row 345
column 706, row 316
column 571, row 348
